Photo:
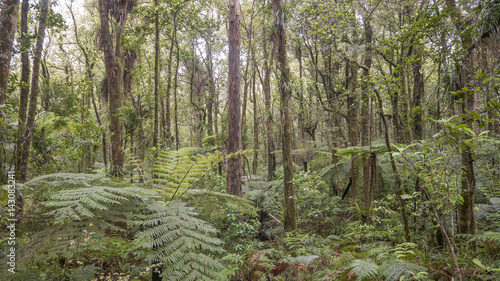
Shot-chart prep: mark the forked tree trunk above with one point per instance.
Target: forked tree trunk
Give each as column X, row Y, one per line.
column 30, row 122
column 290, row 216
column 233, row 142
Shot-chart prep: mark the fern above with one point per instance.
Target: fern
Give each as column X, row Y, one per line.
column 79, row 204
column 179, row 170
column 394, row 270
column 363, row 269
column 179, row 240
column 215, row 205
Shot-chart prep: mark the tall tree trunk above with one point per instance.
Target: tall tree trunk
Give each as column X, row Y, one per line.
column 168, row 133
column 418, row 97
column 211, row 88
column 266, row 88
column 113, row 61
column 369, row 163
column 8, row 21
column 352, row 118
column 30, row 122
column 233, row 142
column 25, row 77
column 301, row 119
column 157, row 77
column 290, row 219
column 255, row 128
column 467, row 223
column 399, row 187
column 176, row 119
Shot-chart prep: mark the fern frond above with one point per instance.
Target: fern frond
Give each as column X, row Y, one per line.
column 394, row 270
column 363, row 269
column 82, row 203
column 178, row 170
column 215, row 204
column 182, row 242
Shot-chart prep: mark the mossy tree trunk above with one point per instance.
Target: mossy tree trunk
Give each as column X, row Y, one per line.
column 290, row 214
column 8, row 20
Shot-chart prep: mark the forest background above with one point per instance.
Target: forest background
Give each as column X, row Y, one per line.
column 252, row 140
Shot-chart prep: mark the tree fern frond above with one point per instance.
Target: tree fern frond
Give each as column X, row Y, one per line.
column 180, row 241
column 178, row 170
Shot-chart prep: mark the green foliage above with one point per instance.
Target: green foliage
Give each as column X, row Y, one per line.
column 91, row 213
column 179, row 170
column 395, row 270
column 180, row 242
column 363, row 269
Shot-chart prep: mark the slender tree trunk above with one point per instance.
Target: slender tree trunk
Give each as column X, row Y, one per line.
column 418, row 97
column 211, row 86
column 169, row 82
column 157, row 77
column 369, row 163
column 301, row 119
column 399, row 187
column 255, row 128
column 467, row 223
column 233, row 142
column 266, row 88
column 25, row 77
column 30, row 122
column 8, row 21
column 290, row 218
column 352, row 117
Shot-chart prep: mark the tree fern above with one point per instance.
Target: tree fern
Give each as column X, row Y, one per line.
column 181, row 243
column 83, row 203
column 214, row 205
column 179, row 240
column 179, row 170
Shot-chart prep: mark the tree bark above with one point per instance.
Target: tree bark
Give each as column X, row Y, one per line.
column 8, row 21
column 25, row 77
column 113, row 61
column 168, row 133
column 266, row 88
column 290, row 218
column 369, row 163
column 418, row 97
column 255, row 128
column 233, row 142
column 30, row 122
column 352, row 118
column 157, row 77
